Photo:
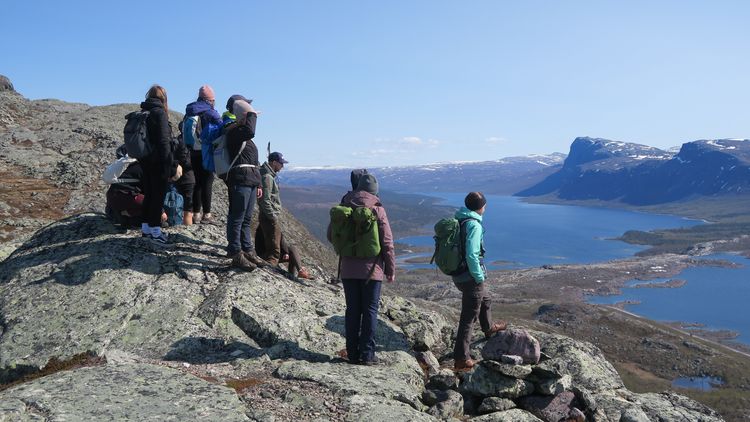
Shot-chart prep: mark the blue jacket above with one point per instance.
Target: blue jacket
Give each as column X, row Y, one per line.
column 474, row 246
column 210, row 119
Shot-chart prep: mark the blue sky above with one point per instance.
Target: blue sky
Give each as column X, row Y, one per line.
column 364, row 83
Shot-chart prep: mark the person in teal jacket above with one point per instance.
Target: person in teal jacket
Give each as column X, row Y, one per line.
column 475, row 302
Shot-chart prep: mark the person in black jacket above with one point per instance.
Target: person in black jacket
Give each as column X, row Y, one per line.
column 186, row 184
column 243, row 182
column 158, row 167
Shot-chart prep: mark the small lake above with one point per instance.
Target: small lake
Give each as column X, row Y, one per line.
column 714, row 296
column 523, row 235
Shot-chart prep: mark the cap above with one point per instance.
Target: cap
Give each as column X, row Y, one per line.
column 277, row 156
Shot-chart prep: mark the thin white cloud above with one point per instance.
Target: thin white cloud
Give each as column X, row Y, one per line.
column 495, row 140
column 396, row 147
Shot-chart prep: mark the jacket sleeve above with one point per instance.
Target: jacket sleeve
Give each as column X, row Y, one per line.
column 473, row 246
column 252, row 120
column 210, row 132
column 386, row 243
column 265, row 205
column 163, row 145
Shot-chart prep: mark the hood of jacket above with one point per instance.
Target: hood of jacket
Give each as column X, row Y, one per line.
column 360, row 198
column 151, row 103
column 266, row 169
column 197, row 108
column 467, row 213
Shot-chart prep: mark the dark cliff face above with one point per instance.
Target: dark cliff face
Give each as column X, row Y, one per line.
column 641, row 175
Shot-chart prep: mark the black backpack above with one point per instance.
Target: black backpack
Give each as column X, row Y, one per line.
column 136, row 135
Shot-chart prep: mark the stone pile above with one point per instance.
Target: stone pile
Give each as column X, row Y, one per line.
column 552, row 378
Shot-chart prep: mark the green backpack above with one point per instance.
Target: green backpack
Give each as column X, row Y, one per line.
column 354, row 232
column 449, row 246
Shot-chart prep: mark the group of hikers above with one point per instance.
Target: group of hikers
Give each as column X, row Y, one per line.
column 143, row 189
column 359, row 228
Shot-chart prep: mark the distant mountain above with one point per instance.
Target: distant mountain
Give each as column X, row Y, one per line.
column 503, row 176
column 642, row 175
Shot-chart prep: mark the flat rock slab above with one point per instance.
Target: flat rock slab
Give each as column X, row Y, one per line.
column 513, row 415
column 121, row 392
column 367, row 408
column 398, row 377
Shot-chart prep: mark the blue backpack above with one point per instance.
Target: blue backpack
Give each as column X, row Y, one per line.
column 173, row 206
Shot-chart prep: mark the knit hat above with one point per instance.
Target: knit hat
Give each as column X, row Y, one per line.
column 206, row 93
column 355, row 176
column 475, row 201
column 235, row 97
column 368, row 183
column 240, row 109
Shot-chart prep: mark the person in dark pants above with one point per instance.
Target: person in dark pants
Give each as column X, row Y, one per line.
column 363, row 277
column 159, row 167
column 185, row 185
column 475, row 302
column 243, row 182
column 211, row 125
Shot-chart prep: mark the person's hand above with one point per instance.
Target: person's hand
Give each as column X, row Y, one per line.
column 259, row 194
column 391, row 278
column 177, row 173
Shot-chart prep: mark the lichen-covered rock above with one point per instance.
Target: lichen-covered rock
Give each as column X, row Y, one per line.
column 484, row 382
column 5, row 84
column 450, row 404
column 513, row 371
column 445, row 379
column 398, row 377
column 495, row 404
column 548, row 408
column 369, row 408
column 512, row 415
column 667, row 407
column 428, row 361
column 426, row 330
column 554, row 386
column 120, row 392
column 513, row 341
column 583, row 361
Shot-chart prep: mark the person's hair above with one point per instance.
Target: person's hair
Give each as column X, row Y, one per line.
column 475, row 200
column 157, row 91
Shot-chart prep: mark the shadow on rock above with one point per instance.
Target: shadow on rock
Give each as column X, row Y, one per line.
column 203, row 350
column 386, row 338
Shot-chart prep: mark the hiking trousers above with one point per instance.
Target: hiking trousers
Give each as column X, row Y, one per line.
column 271, row 237
column 241, row 205
column 204, row 185
column 154, row 191
column 475, row 303
column 362, row 298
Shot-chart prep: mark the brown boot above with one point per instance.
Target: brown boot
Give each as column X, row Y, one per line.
column 304, row 274
column 496, row 327
column 255, row 259
column 240, row 261
column 464, row 365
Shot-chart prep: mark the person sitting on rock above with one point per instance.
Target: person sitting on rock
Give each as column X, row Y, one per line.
column 475, row 301
column 363, row 277
column 289, row 254
column 243, row 181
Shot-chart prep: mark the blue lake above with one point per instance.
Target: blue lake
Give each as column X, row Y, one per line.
column 713, row 296
column 523, row 235
column 526, row 235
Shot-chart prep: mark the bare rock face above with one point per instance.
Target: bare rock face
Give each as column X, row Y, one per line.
column 5, row 84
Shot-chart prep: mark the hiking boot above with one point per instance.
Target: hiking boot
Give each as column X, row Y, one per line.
column 240, row 261
column 372, row 362
column 255, row 259
column 208, row 219
column 304, row 274
column 496, row 327
column 464, row 365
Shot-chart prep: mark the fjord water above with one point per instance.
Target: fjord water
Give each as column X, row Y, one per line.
column 714, row 296
column 522, row 235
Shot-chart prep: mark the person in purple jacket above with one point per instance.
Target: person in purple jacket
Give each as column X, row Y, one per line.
column 211, row 125
column 363, row 277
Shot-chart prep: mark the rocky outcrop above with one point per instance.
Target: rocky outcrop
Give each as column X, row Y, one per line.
column 5, row 84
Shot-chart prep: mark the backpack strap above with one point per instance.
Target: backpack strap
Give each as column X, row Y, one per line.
column 462, row 244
